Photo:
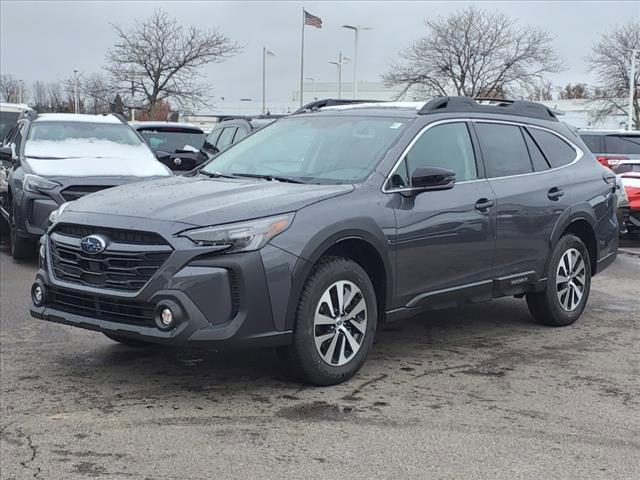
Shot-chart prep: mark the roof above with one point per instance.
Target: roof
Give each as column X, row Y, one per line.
column 14, row 107
column 608, row 132
column 186, row 126
column 77, row 117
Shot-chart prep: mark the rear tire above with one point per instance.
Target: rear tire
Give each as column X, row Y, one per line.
column 130, row 342
column 335, row 323
column 568, row 285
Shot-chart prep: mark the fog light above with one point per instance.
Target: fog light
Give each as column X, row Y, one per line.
column 166, row 317
column 168, row 314
column 37, row 294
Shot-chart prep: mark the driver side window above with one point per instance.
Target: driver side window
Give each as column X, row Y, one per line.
column 446, row 146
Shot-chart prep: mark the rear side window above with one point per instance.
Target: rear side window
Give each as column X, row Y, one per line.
column 240, row 134
column 593, row 143
column 557, row 151
column 503, row 149
column 540, row 164
column 226, row 137
column 623, row 144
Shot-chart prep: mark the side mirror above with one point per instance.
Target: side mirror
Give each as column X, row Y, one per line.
column 6, row 153
column 432, row 178
column 209, row 148
column 163, row 156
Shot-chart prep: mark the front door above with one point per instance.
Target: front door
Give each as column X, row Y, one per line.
column 444, row 239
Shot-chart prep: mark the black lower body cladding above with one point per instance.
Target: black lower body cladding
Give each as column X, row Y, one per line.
column 213, row 298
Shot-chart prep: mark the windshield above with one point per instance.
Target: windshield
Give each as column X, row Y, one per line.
column 7, row 121
column 318, row 149
column 85, row 131
column 172, row 141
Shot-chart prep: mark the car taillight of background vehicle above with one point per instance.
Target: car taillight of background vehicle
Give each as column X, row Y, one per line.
column 610, row 160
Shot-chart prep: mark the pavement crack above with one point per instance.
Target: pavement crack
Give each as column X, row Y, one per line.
column 27, row 464
column 354, row 394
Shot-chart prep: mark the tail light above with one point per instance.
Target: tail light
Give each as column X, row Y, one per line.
column 610, row 160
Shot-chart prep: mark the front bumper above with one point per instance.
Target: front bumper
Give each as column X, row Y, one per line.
column 220, row 298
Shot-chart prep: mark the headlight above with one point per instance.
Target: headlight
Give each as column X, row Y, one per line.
column 55, row 215
column 243, row 236
column 34, row 183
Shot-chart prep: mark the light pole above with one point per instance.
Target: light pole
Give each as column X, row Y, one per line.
column 341, row 60
column 265, row 52
column 75, row 90
column 356, row 30
column 632, row 87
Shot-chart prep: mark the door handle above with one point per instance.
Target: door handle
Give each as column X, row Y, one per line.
column 484, row 204
column 555, row 194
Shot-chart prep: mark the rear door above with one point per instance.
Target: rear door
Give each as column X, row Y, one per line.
column 531, row 192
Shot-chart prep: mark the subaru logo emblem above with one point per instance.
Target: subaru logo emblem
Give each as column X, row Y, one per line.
column 93, row 244
column 177, row 161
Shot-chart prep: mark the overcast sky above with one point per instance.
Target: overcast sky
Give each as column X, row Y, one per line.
column 47, row 40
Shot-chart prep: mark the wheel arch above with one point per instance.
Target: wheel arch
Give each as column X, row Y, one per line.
column 362, row 247
column 582, row 226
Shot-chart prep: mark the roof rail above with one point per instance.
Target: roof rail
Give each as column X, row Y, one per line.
column 521, row 108
column 330, row 102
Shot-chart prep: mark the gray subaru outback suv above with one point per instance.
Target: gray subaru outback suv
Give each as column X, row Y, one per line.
column 308, row 233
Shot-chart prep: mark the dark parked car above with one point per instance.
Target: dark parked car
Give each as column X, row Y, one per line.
column 620, row 151
column 231, row 131
column 313, row 230
column 58, row 157
column 177, row 145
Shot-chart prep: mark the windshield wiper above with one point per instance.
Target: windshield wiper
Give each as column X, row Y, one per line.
column 214, row 174
column 268, row 177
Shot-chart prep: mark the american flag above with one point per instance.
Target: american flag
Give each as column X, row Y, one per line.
column 312, row 20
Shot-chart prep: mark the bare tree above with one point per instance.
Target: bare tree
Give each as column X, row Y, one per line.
column 12, row 90
column 40, row 96
column 475, row 52
column 610, row 60
column 158, row 60
column 97, row 94
column 579, row 91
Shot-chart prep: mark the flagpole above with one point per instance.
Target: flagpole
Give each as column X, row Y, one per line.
column 264, row 101
column 302, row 61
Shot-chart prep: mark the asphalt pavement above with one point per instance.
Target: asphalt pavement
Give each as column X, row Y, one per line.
column 480, row 392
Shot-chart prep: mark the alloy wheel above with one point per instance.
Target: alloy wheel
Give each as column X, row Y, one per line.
column 570, row 279
column 340, row 323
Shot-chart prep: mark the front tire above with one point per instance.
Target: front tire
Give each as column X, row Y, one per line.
column 568, row 285
column 335, row 323
column 21, row 247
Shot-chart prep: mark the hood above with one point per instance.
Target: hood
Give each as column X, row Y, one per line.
column 96, row 158
column 201, row 201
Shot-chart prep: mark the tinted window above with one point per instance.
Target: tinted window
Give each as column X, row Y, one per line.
column 446, row 146
column 7, row 121
column 171, row 140
column 624, row 144
column 593, row 143
column 537, row 158
column 225, row 138
column 557, row 151
column 240, row 134
column 503, row 150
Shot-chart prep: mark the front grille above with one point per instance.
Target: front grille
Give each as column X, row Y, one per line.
column 133, row 237
column 124, row 266
column 99, row 307
column 76, row 191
